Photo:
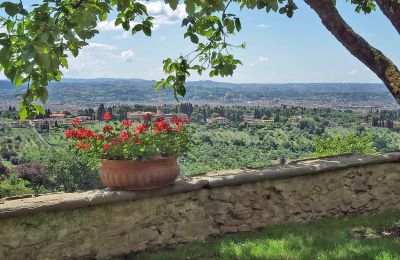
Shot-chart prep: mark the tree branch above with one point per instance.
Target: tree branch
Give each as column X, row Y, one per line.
column 391, row 9
column 374, row 59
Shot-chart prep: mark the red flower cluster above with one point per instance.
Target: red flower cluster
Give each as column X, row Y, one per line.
column 179, row 122
column 126, row 140
column 161, row 126
column 176, row 119
column 79, row 134
column 82, row 145
column 107, row 116
column 107, row 128
column 141, row 128
column 106, row 146
column 127, row 123
column 124, row 135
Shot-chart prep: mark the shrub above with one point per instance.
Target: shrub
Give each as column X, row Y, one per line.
column 4, row 172
column 14, row 161
column 14, row 186
column 69, row 172
column 34, row 172
column 7, row 154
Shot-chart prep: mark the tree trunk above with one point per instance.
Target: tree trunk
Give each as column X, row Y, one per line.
column 374, row 59
column 391, row 9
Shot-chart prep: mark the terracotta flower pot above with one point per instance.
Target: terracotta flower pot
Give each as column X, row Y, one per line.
column 139, row 175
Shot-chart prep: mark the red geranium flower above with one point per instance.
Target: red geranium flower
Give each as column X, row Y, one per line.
column 178, row 127
column 68, row 133
column 161, row 126
column 140, row 129
column 127, row 123
column 83, row 133
column 148, row 117
column 106, row 146
column 79, row 146
column 124, row 135
column 159, row 119
column 136, row 140
column 75, row 121
column 186, row 119
column 114, row 141
column 176, row 120
column 107, row 116
column 87, row 146
column 99, row 137
column 107, row 128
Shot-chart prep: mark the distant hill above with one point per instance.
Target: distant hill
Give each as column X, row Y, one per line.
column 94, row 91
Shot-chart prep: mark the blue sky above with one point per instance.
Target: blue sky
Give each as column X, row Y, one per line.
column 279, row 49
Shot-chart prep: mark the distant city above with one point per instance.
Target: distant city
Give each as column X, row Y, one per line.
column 75, row 94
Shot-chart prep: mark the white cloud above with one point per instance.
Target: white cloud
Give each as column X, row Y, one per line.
column 260, row 59
column 125, row 35
column 352, row 72
column 3, row 29
column 264, row 26
column 163, row 38
column 127, row 56
column 108, row 26
column 99, row 46
column 162, row 13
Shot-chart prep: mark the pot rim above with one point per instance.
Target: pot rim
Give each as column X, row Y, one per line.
column 136, row 160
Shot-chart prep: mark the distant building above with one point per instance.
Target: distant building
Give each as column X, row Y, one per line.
column 57, row 115
column 248, row 118
column 264, row 121
column 296, row 119
column 222, row 120
column 19, row 123
column 83, row 118
column 139, row 116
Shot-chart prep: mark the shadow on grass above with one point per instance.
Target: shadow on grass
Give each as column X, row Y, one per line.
column 323, row 239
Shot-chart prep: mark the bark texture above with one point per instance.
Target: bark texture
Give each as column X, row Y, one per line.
column 374, row 59
column 391, row 9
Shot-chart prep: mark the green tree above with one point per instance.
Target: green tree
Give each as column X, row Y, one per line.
column 39, row 38
column 348, row 143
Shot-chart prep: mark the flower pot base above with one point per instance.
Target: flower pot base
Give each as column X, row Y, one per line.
column 138, row 175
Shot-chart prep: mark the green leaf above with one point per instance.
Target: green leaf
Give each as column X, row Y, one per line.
column 23, row 113
column 274, row 5
column 5, row 57
column 147, row 31
column 103, row 17
column 194, row 38
column 10, row 8
column 238, row 24
column 190, row 7
column 18, row 81
column 173, row 3
column 43, row 94
column 159, row 84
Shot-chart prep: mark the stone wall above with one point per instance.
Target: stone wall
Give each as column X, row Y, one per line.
column 103, row 223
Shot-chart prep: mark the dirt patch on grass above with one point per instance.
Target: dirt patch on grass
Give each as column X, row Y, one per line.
column 370, row 233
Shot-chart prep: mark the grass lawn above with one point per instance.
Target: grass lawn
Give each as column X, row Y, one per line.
column 329, row 238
